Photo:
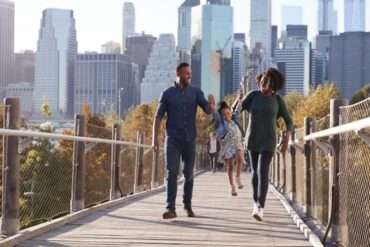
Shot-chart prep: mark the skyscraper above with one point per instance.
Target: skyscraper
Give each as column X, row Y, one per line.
column 6, row 44
column 294, row 61
column 354, row 15
column 239, row 64
column 24, row 69
column 274, row 40
column 54, row 62
column 160, row 72
column 327, row 17
column 349, row 61
column 216, row 51
column 128, row 22
column 99, row 79
column 184, row 29
column 260, row 27
column 296, row 32
column 138, row 49
column 290, row 15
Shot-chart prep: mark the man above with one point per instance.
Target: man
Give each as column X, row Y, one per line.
column 180, row 102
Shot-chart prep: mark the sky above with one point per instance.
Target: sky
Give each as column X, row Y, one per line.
column 99, row 21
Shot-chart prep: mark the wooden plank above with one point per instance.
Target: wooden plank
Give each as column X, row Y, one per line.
column 221, row 220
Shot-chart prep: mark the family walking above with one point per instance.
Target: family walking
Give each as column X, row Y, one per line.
column 180, row 102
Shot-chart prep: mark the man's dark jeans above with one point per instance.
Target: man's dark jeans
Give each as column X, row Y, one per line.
column 176, row 150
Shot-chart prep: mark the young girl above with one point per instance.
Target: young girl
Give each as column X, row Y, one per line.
column 230, row 133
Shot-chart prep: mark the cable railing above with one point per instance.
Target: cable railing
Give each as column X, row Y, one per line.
column 327, row 173
column 49, row 175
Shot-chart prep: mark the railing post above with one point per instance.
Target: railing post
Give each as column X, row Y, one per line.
column 11, row 170
column 334, row 197
column 115, row 178
column 314, row 170
column 78, row 169
column 293, row 178
column 138, row 185
column 155, row 169
column 307, row 168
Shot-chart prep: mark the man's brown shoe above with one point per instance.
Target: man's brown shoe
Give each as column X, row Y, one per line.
column 189, row 212
column 169, row 214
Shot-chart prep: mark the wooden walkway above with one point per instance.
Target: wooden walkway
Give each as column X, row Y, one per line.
column 221, row 220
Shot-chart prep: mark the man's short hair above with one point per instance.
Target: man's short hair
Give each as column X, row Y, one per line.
column 181, row 65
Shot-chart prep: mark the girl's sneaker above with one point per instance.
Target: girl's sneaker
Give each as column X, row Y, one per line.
column 239, row 183
column 233, row 190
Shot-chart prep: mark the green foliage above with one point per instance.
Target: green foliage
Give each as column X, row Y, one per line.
column 361, row 94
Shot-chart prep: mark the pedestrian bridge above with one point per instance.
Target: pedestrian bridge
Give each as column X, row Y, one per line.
column 90, row 188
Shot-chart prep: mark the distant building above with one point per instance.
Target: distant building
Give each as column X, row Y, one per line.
column 111, row 47
column 349, row 61
column 54, row 62
column 160, row 72
column 102, row 79
column 6, row 44
column 128, row 22
column 24, row 92
column 24, row 69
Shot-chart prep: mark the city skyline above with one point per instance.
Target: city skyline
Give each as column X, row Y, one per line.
column 102, row 22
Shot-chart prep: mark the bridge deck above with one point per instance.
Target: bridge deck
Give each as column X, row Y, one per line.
column 221, row 220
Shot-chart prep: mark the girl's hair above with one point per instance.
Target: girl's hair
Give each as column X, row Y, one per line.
column 277, row 79
column 223, row 105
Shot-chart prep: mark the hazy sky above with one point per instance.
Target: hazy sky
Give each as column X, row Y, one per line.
column 98, row 21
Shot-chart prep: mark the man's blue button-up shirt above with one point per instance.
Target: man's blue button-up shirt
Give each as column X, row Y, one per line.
column 181, row 107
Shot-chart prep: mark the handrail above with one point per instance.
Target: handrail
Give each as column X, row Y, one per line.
column 11, row 132
column 354, row 126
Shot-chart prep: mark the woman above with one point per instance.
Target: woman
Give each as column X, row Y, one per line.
column 264, row 107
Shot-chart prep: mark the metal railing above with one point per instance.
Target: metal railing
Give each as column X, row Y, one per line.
column 47, row 175
column 326, row 172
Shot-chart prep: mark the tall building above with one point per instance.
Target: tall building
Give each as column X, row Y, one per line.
column 128, row 22
column 317, row 68
column 54, row 62
column 184, row 43
column 294, row 61
column 105, row 82
column 239, row 37
column 111, row 47
column 24, row 92
column 160, row 72
column 260, row 27
column 24, row 69
column 274, row 40
column 354, row 15
column 290, row 15
column 138, row 49
column 327, row 17
column 6, row 44
column 349, row 61
column 296, row 32
column 322, row 46
column 239, row 64
column 216, row 48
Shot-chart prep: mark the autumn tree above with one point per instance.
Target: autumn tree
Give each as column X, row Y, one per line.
column 361, row 94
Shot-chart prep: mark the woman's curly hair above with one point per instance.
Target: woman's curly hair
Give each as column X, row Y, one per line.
column 277, row 79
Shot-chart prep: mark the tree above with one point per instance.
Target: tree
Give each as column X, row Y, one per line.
column 45, row 108
column 316, row 104
column 361, row 94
